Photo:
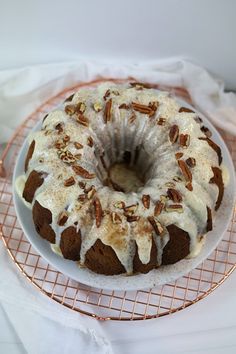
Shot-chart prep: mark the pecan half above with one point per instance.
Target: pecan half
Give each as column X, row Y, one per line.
column 79, row 170
column 142, row 108
column 69, row 182
column 62, row 218
column 107, row 111
column 132, row 118
column 174, row 195
column 98, row 211
column 146, row 201
column 184, row 140
column 158, row 208
column 185, row 170
column 81, row 119
column 174, row 133
column 191, row 162
column 158, row 228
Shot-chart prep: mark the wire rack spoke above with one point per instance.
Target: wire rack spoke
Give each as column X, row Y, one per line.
column 99, row 303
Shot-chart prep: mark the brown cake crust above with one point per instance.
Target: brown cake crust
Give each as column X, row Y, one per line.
column 102, row 259
column 34, row 181
column 177, row 247
column 70, row 243
column 29, row 154
column 42, row 218
column 218, row 180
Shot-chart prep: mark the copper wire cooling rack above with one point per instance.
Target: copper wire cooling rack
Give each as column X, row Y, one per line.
column 99, row 303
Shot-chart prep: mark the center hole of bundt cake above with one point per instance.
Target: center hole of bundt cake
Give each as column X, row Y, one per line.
column 128, row 173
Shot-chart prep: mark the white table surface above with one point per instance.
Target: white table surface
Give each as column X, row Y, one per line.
column 207, row 327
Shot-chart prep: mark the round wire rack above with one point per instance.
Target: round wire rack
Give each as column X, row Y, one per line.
column 98, row 303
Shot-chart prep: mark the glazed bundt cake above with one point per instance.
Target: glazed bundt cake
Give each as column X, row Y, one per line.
column 122, row 179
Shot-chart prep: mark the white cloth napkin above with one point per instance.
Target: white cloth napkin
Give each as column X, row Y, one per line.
column 43, row 325
column 23, row 90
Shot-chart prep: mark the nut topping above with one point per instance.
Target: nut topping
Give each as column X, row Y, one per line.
column 185, row 109
column 107, row 94
column 132, row 218
column 174, row 133
column 158, row 228
column 66, row 156
column 81, row 119
column 161, row 121
column 80, row 171
column 78, row 145
column 66, row 138
column 158, row 208
column 59, row 128
column 189, row 186
column 98, row 211
column 69, row 182
column 184, row 140
column 124, row 106
column 82, row 184
column 107, row 111
column 90, row 141
column 174, row 195
column 169, row 184
column 131, row 209
column 142, row 108
column 119, row 205
column 191, row 162
column 146, row 201
column 132, row 118
column 80, row 108
column 90, row 192
column 174, row 207
column 82, row 198
column 116, row 219
column 178, row 155
column 62, row 219
column 70, row 109
column 97, row 106
column 185, row 170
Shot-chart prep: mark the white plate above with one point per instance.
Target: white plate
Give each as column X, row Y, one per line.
column 164, row 274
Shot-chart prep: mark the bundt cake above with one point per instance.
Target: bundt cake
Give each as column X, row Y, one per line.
column 122, row 179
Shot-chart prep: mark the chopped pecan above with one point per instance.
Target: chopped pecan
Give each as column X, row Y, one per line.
column 70, row 109
column 174, row 133
column 184, row 140
column 191, row 162
column 185, row 109
column 79, row 170
column 158, row 228
column 174, row 195
column 185, row 170
column 81, row 119
column 90, row 141
column 66, row 138
column 59, row 128
column 161, row 121
column 146, row 201
column 154, row 106
column 107, row 94
column 158, row 208
column 174, row 207
column 131, row 209
column 142, row 108
column 80, row 108
column 206, row 131
column 107, row 111
column 62, row 218
column 82, row 198
column 98, row 211
column 69, row 182
column 132, row 118
column 132, row 218
column 119, row 205
column 116, row 219
column 178, row 155
column 124, row 106
column 82, row 184
column 78, row 145
column 97, row 106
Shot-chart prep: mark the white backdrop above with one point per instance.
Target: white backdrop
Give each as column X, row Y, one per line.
column 52, row 30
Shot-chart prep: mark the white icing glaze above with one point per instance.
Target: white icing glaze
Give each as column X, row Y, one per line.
column 156, row 161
